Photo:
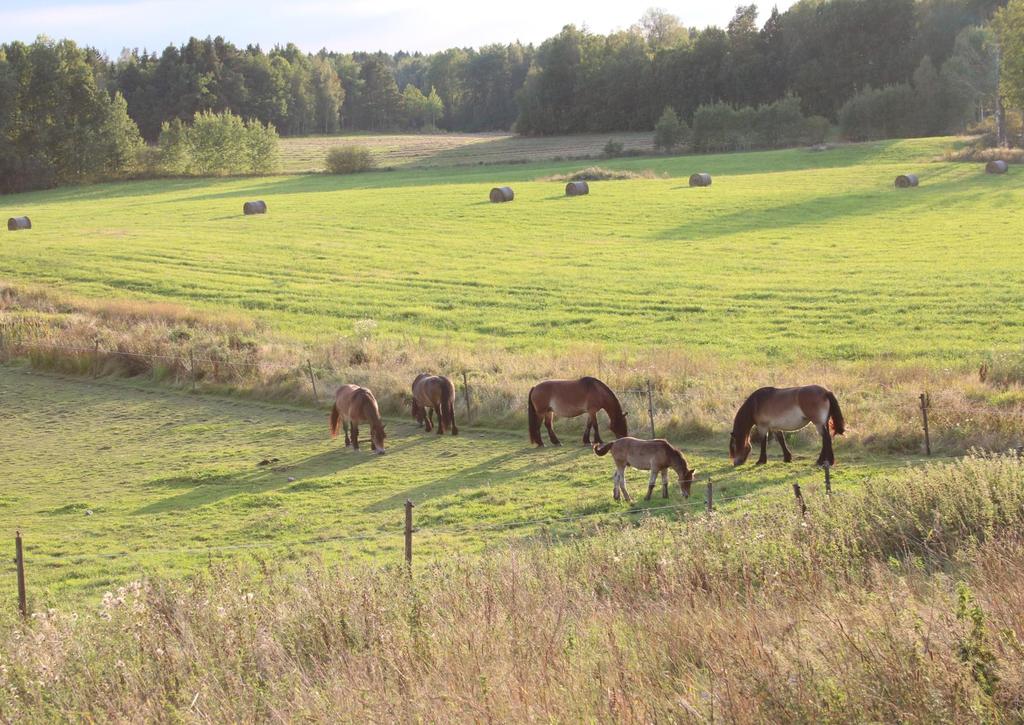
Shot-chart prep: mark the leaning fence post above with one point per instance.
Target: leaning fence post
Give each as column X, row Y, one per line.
column 312, row 379
column 19, row 561
column 192, row 367
column 828, row 478
column 800, row 499
column 709, row 497
column 650, row 406
column 924, row 416
column 408, row 533
column 465, row 390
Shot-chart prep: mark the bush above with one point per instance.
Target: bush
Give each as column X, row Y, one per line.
column 215, row 144
column 879, row 113
column 720, row 127
column 349, row 160
column 613, row 148
column 670, row 132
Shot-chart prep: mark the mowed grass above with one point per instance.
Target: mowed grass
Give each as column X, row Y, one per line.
column 790, row 255
column 305, row 154
column 109, row 480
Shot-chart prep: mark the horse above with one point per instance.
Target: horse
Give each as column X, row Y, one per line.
column 657, row 456
column 568, row 399
column 775, row 410
column 430, row 393
column 353, row 405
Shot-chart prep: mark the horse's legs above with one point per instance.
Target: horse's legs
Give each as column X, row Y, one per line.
column 344, row 426
column 355, row 435
column 622, row 484
column 650, row 484
column 787, row 455
column 428, row 419
column 764, row 448
column 827, row 455
column 548, row 417
column 664, row 483
column 596, row 427
column 440, row 421
column 586, row 432
column 615, row 478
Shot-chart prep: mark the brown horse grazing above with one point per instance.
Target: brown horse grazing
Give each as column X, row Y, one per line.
column 430, row 393
column 352, row 406
column 775, row 410
column 656, row 456
column 568, row 399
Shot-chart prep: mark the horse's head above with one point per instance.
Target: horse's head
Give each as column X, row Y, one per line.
column 686, row 480
column 739, row 448
column 418, row 414
column 619, row 425
column 377, row 436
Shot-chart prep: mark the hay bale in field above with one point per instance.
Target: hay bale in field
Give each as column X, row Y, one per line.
column 254, row 207
column 700, row 180
column 501, row 194
column 997, row 167
column 906, row 181
column 577, row 188
column 18, row 222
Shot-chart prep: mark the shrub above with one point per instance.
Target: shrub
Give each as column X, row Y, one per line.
column 613, row 148
column 215, row 144
column 349, row 160
column 670, row 132
column 598, row 173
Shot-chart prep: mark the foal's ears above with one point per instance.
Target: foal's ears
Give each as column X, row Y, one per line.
column 691, row 475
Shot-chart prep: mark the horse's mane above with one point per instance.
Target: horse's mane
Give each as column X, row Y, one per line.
column 589, row 382
column 745, row 414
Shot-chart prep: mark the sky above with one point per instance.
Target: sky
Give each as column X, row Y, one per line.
column 341, row 25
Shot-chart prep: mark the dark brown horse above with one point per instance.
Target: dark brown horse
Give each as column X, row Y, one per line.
column 568, row 399
column 352, row 406
column 434, row 393
column 778, row 410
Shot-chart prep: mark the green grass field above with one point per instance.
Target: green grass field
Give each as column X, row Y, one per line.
column 790, row 254
column 791, row 257
column 108, row 479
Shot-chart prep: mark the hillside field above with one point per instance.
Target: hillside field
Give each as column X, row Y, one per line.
column 793, row 264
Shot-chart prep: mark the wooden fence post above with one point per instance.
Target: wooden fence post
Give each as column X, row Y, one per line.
column 96, row 358
column 19, row 561
column 192, row 367
column 650, row 406
column 828, row 478
column 800, row 499
column 465, row 390
column 709, row 497
column 924, row 417
column 408, row 533
column 312, row 379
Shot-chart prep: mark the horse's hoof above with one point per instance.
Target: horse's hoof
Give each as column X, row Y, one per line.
column 761, row 463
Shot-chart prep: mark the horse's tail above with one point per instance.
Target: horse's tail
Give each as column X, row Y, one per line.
column 533, row 419
column 603, row 450
column 335, row 419
column 448, row 405
column 835, row 415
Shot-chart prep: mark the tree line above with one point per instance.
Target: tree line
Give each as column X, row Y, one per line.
column 876, row 67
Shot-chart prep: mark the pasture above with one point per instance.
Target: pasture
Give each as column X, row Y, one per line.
column 166, row 481
column 790, row 255
column 306, row 153
column 793, row 267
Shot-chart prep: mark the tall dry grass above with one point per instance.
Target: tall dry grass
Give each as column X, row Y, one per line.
column 904, row 603
column 696, row 394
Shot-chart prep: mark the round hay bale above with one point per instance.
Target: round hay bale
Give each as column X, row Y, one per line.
column 501, row 194
column 18, row 222
column 254, row 207
column 997, row 167
column 906, row 181
column 577, row 188
column 700, row 180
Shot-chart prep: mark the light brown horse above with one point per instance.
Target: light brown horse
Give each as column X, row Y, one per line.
column 430, row 393
column 568, row 399
column 352, row 406
column 656, row 456
column 779, row 410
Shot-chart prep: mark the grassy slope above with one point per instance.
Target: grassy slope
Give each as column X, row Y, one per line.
column 162, row 470
column 789, row 254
